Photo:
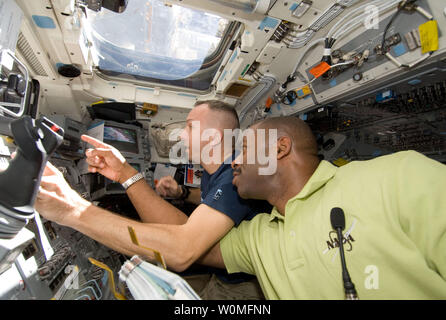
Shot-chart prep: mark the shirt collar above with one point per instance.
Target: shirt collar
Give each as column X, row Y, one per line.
column 324, row 173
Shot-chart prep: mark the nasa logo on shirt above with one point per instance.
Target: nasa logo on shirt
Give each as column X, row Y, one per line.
column 347, row 240
column 218, row 194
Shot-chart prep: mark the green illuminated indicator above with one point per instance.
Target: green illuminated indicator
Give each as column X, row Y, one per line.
column 246, row 69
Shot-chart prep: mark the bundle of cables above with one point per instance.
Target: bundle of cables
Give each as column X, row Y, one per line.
column 385, row 49
column 337, row 32
column 329, row 42
column 354, row 19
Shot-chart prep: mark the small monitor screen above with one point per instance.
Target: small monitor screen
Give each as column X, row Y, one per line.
column 125, row 140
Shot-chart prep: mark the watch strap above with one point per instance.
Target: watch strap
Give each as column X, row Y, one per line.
column 132, row 180
column 185, row 192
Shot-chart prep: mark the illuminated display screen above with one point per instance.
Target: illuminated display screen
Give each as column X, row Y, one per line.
column 125, row 140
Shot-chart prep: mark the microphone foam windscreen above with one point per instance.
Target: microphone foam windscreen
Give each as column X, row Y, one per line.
column 337, row 218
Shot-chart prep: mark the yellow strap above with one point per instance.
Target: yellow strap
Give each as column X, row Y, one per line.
column 158, row 255
column 111, row 278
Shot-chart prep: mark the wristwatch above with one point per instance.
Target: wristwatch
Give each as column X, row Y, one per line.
column 132, row 180
column 185, row 192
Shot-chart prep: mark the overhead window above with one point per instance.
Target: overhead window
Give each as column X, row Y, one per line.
column 154, row 41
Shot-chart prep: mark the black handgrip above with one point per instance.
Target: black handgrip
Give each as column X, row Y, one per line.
column 36, row 140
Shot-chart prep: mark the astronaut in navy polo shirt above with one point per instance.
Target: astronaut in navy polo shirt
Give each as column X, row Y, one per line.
column 219, row 196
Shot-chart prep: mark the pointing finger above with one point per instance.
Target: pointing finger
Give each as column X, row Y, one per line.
column 101, row 152
column 94, row 142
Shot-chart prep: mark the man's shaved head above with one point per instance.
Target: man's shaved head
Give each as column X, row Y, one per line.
column 299, row 132
column 295, row 151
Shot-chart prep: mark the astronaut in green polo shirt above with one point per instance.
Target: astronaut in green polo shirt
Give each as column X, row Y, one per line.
column 395, row 223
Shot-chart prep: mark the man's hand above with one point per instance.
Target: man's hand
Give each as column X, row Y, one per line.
column 107, row 160
column 168, row 187
column 56, row 201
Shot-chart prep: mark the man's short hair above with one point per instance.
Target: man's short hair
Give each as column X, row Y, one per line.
column 220, row 106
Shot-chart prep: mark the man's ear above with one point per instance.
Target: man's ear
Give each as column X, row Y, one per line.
column 283, row 147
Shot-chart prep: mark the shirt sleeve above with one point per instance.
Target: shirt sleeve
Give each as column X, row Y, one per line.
column 224, row 198
column 235, row 249
column 421, row 188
